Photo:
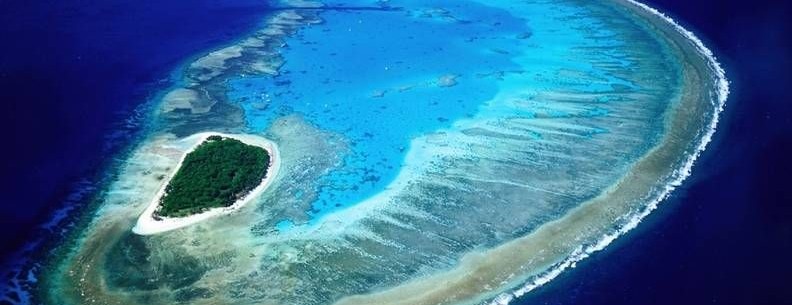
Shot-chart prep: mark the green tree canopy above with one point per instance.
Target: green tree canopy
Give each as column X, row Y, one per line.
column 217, row 173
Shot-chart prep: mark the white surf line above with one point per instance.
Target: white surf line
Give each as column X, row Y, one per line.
column 147, row 225
column 582, row 252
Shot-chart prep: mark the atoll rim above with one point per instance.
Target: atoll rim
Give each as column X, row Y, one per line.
column 428, row 152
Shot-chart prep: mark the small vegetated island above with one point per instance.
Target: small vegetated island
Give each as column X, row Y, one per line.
column 217, row 173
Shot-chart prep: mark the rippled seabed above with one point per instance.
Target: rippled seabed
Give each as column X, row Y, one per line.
column 453, row 152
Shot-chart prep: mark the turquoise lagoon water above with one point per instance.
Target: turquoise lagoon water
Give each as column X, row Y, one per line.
column 376, row 78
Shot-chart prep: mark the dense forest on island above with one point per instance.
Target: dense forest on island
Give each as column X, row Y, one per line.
column 217, row 173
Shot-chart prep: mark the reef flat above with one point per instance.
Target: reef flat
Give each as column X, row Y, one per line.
column 408, row 178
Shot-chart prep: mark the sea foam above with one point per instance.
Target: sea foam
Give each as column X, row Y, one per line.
column 679, row 175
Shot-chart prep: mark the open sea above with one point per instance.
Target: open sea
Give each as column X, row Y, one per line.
column 77, row 78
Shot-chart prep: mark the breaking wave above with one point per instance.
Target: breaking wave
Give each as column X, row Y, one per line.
column 679, row 175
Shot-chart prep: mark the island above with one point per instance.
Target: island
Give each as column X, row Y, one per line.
column 218, row 175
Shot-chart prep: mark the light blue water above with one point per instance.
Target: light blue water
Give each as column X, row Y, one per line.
column 356, row 76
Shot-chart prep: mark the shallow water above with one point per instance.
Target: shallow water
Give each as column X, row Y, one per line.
column 476, row 144
column 381, row 91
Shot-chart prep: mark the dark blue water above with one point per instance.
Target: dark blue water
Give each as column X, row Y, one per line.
column 726, row 237
column 72, row 76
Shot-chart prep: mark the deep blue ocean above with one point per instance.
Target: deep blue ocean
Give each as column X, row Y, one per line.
column 75, row 76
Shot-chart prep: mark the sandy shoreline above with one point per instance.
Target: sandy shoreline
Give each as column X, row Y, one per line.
column 147, row 225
